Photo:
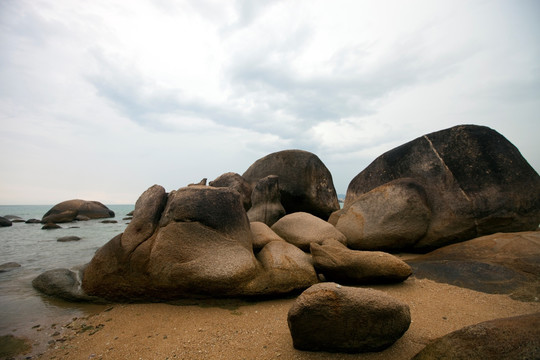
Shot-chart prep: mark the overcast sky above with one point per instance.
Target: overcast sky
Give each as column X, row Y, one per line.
column 101, row 99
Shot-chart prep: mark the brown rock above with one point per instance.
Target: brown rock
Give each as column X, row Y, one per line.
column 393, row 216
column 68, row 210
column 265, row 201
column 499, row 263
column 262, row 235
column 310, row 189
column 335, row 318
column 338, row 263
column 477, row 183
column 301, row 229
column 513, row 338
column 236, row 182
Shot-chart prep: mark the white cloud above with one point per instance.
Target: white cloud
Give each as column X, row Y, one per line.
column 111, row 97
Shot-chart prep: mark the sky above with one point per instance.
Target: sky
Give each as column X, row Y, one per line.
column 101, row 99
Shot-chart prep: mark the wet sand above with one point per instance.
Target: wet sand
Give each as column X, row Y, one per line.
column 235, row 329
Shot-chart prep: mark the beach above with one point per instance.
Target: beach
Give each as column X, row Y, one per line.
column 240, row 329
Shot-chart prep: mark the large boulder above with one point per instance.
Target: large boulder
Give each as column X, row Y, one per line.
column 195, row 241
column 503, row 263
column 198, row 244
column 335, row 318
column 341, row 264
column 70, row 210
column 265, row 199
column 304, row 181
column 301, row 229
column 235, row 181
column 476, row 182
column 392, row 216
column 513, row 338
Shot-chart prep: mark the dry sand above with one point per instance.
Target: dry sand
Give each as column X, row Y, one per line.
column 233, row 329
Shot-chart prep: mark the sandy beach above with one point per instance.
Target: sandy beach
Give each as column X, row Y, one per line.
column 236, row 329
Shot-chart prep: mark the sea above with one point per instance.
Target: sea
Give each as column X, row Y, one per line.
column 23, row 310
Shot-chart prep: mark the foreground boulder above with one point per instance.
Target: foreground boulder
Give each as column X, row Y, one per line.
column 71, row 210
column 262, row 235
column 266, row 201
column 301, row 229
column 503, row 263
column 477, row 183
column 513, row 338
column 195, row 241
column 304, row 181
column 338, row 263
column 335, row 318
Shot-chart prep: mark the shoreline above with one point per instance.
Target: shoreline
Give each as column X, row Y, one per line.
column 228, row 328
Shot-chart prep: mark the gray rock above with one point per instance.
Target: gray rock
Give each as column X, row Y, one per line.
column 64, row 284
column 5, row 222
column 9, row 266
column 335, row 318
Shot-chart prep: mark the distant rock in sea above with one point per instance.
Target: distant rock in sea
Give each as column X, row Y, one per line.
column 71, row 210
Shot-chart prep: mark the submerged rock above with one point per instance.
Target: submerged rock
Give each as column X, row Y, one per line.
column 9, row 266
column 68, row 238
column 64, row 284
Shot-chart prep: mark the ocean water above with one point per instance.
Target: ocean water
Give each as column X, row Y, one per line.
column 37, row 250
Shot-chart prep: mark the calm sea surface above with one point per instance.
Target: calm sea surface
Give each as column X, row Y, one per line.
column 36, row 250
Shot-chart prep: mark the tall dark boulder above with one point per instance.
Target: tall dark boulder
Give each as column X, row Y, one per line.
column 476, row 181
column 304, row 181
column 70, row 210
column 266, row 201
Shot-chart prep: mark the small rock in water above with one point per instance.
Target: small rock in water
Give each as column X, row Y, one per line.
column 9, row 266
column 109, row 222
column 68, row 238
column 50, row 226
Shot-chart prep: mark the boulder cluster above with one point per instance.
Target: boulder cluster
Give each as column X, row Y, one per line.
column 278, row 228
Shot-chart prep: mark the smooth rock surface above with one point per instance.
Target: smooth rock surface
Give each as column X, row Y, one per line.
column 69, row 210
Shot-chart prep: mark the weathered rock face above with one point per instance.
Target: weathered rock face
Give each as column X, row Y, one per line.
column 301, row 229
column 498, row 263
column 68, row 211
column 265, row 199
column 262, row 235
column 392, row 216
column 476, row 182
column 195, row 241
column 331, row 317
column 236, row 182
column 338, row 263
column 304, row 181
column 513, row 338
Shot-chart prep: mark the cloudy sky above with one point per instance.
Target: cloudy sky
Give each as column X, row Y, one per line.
column 101, row 99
